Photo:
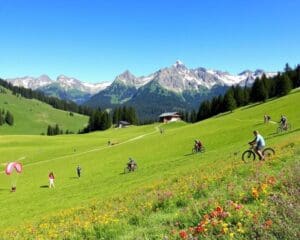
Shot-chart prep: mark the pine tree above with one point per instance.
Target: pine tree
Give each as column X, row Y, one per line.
column 49, row 130
column 246, row 96
column 238, row 95
column 9, row 118
column 258, row 91
column 204, row 110
column 193, row 116
column 56, row 130
column 229, row 101
column 116, row 118
column 283, row 86
column 2, row 120
column 298, row 76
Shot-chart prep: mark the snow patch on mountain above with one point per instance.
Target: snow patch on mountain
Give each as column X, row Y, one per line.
column 67, row 83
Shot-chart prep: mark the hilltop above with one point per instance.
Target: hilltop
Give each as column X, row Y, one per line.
column 32, row 116
column 164, row 190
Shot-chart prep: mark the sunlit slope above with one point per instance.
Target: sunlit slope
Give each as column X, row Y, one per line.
column 32, row 116
column 159, row 156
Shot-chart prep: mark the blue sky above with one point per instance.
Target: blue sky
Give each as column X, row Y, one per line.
column 96, row 40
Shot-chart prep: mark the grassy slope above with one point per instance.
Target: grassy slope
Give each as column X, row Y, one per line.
column 159, row 157
column 32, row 116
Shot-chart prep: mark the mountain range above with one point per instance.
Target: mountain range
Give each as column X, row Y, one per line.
column 172, row 88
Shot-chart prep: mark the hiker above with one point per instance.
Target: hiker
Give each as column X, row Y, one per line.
column 51, row 180
column 161, row 130
column 78, row 170
column 267, row 118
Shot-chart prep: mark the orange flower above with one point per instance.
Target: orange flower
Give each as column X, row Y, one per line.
column 255, row 193
column 268, row 224
column 271, row 180
column 219, row 209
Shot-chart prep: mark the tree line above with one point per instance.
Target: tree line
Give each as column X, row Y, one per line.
column 262, row 89
column 102, row 119
column 56, row 130
column 6, row 117
column 53, row 101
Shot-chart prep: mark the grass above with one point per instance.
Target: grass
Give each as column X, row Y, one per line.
column 163, row 159
column 32, row 117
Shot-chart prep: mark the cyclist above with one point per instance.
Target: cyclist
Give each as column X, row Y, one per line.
column 131, row 165
column 259, row 143
column 198, row 145
column 283, row 122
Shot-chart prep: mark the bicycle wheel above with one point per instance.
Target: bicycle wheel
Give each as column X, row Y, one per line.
column 268, row 153
column 289, row 127
column 248, row 155
column 202, row 149
column 194, row 150
column 126, row 170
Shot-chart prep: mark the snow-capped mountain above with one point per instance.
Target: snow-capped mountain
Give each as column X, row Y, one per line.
column 68, row 83
column 30, row 82
column 177, row 79
column 169, row 89
column 63, row 81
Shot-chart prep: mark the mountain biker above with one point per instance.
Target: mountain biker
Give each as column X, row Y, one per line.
column 198, row 145
column 283, row 122
column 131, row 165
column 260, row 143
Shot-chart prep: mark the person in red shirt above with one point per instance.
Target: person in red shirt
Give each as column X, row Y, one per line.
column 51, row 180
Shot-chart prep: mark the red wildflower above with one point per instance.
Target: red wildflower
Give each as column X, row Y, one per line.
column 219, row 209
column 199, row 229
column 183, row 234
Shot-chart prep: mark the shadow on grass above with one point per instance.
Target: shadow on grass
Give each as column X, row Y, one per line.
column 3, row 189
column 73, row 177
column 44, row 186
column 282, row 133
column 188, row 154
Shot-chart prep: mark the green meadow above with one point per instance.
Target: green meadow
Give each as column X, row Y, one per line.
column 160, row 157
column 32, row 117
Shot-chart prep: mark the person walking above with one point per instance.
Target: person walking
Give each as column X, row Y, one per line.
column 51, row 180
column 78, row 170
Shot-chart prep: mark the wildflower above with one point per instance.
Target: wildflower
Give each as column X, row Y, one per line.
column 268, row 224
column 225, row 230
column 199, row 229
column 264, row 188
column 255, row 193
column 271, row 180
column 219, row 209
column 183, row 234
column 231, row 235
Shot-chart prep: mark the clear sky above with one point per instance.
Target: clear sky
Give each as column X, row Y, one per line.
column 95, row 40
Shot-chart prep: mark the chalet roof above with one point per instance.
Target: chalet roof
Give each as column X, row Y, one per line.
column 124, row 123
column 169, row 114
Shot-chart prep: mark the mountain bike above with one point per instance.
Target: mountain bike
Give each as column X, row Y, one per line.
column 281, row 128
column 130, row 168
column 250, row 155
column 198, row 150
